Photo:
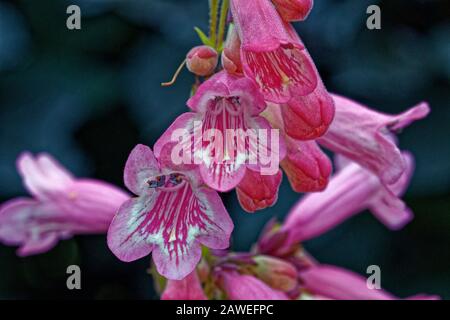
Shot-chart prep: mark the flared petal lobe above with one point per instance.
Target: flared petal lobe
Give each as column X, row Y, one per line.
column 365, row 136
column 43, row 176
column 27, row 223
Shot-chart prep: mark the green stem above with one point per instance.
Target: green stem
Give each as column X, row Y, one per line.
column 222, row 23
column 213, row 11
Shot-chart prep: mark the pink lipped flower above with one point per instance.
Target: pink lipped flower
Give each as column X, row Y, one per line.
column 61, row 206
column 367, row 137
column 270, row 56
column 228, row 107
column 174, row 214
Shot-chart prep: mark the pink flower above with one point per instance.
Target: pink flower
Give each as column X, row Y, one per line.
column 246, row 287
column 306, row 166
column 225, row 134
column 270, row 56
column 202, row 60
column 61, row 207
column 172, row 216
column 257, row 192
column 352, row 190
column 293, row 10
column 188, row 288
column 330, row 282
column 308, row 117
column 366, row 136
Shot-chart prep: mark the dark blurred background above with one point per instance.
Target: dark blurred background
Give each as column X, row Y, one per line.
column 88, row 96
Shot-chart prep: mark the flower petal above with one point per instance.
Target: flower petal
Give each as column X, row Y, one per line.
column 171, row 222
column 222, row 176
column 141, row 165
column 182, row 126
column 92, row 203
column 188, row 288
column 270, row 56
column 308, row 117
column 226, row 85
column 257, row 192
column 42, row 175
column 340, row 284
column 364, row 136
column 31, row 225
column 124, row 239
column 307, row 167
column 246, row 287
column 352, row 190
column 387, row 206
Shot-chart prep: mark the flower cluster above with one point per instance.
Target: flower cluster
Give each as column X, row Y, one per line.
column 264, row 112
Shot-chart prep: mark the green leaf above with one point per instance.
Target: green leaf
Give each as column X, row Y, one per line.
column 203, row 37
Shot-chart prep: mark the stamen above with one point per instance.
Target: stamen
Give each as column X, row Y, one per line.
column 175, row 76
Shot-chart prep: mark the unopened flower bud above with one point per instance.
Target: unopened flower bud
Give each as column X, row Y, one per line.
column 202, row 60
column 277, row 273
column 293, row 10
column 231, row 55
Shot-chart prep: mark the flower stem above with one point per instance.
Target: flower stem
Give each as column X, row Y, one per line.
column 222, row 23
column 213, row 12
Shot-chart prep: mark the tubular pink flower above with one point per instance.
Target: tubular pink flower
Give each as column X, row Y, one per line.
column 172, row 216
column 246, row 287
column 270, row 56
column 306, row 166
column 293, row 10
column 188, row 288
column 308, row 117
column 350, row 191
column 365, row 136
column 228, row 106
column 61, row 207
column 257, row 192
column 330, row 282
